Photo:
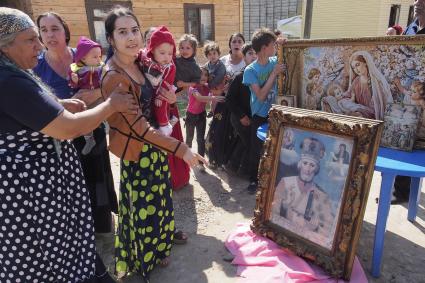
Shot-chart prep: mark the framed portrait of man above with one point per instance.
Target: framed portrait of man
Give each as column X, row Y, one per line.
column 310, row 179
column 314, row 178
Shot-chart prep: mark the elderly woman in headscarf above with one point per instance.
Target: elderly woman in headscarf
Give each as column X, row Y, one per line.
column 46, row 227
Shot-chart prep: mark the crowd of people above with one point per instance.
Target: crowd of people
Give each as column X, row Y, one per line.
column 57, row 183
column 58, row 103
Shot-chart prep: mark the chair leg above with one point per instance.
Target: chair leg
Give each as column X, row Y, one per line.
column 381, row 221
column 415, row 191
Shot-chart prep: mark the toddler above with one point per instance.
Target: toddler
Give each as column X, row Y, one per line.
column 158, row 66
column 196, row 116
column 188, row 72
column 85, row 73
column 216, row 69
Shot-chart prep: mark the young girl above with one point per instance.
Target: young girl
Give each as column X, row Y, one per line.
column 159, row 68
column 85, row 73
column 188, row 72
column 196, row 117
column 234, row 61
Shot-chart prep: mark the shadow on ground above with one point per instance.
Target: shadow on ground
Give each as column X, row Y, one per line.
column 402, row 259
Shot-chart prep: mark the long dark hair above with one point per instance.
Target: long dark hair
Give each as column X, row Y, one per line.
column 113, row 15
column 61, row 21
column 236, row 34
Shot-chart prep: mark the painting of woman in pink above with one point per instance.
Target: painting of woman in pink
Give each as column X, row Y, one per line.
column 368, row 91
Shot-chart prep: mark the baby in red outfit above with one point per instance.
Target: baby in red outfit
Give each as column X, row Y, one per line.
column 158, row 66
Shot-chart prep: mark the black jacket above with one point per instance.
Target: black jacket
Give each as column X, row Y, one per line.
column 238, row 97
column 187, row 70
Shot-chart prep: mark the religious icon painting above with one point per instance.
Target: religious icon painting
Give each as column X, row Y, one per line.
column 401, row 122
column 314, row 179
column 286, row 100
column 311, row 176
column 357, row 76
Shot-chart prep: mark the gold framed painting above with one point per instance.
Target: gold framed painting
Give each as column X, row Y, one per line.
column 356, row 76
column 286, row 100
column 314, row 179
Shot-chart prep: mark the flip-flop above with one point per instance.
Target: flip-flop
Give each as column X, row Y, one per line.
column 180, row 238
column 164, row 262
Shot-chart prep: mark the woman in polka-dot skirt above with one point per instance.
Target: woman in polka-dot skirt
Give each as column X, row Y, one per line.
column 46, row 227
column 146, row 218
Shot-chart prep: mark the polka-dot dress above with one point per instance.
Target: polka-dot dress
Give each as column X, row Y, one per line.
column 46, row 227
column 146, row 216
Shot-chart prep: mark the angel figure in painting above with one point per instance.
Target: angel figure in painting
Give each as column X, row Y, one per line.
column 314, row 89
column 415, row 96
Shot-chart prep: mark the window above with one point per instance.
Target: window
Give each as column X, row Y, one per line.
column 199, row 20
column 411, row 15
column 96, row 13
column 394, row 15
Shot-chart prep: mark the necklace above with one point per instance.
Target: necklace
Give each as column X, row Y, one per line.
column 61, row 66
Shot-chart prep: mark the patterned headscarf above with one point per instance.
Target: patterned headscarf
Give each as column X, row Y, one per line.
column 13, row 21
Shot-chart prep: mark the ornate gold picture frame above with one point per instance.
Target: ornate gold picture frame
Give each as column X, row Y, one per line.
column 314, row 180
column 356, row 76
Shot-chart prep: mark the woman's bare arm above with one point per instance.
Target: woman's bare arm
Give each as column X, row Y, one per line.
column 68, row 125
column 89, row 96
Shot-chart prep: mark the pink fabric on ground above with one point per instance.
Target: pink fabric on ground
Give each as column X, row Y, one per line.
column 261, row 260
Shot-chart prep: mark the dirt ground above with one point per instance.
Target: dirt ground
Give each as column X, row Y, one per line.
column 209, row 208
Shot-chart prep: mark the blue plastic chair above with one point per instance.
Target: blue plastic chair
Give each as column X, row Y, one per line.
column 390, row 163
column 262, row 131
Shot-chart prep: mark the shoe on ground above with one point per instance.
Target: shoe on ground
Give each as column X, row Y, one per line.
column 173, row 121
column 90, row 143
column 212, row 166
column 201, row 168
column 229, row 257
column 399, row 199
column 252, row 188
column 180, row 238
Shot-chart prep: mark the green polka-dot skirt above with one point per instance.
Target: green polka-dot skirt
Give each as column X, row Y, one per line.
column 146, row 216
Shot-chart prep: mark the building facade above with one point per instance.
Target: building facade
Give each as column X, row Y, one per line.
column 266, row 13
column 207, row 19
column 343, row 18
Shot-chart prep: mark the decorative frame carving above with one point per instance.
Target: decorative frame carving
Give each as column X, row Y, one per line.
column 365, row 135
column 392, row 56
